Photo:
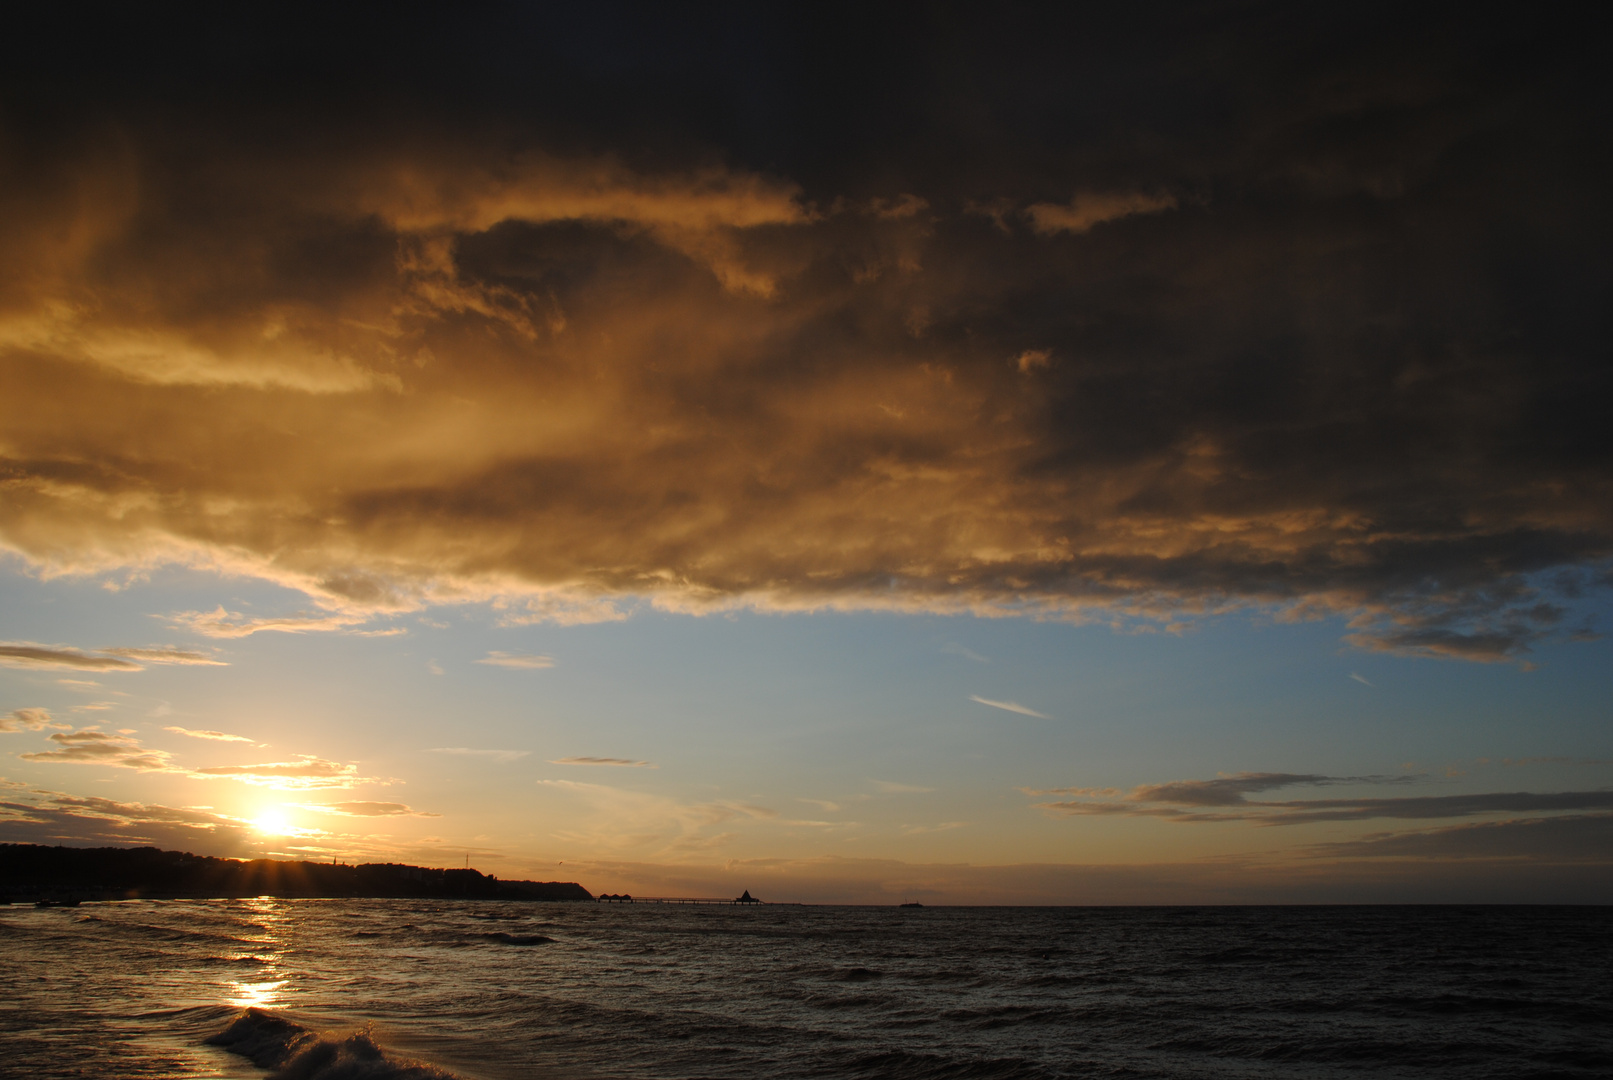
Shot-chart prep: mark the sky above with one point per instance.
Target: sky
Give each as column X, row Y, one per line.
column 892, row 453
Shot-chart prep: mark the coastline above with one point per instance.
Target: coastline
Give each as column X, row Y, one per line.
column 34, row 873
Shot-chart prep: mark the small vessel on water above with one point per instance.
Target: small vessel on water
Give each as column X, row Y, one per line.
column 911, row 903
column 56, row 903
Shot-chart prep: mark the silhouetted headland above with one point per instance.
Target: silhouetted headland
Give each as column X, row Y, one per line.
column 34, row 872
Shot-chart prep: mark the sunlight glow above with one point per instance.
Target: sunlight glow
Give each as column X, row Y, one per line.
column 272, row 821
column 257, row 995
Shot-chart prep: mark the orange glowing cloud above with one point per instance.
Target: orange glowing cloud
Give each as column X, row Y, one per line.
column 431, row 371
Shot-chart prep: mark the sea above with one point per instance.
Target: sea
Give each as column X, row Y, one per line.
column 427, row 990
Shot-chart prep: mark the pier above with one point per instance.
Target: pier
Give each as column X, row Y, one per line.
column 745, row 900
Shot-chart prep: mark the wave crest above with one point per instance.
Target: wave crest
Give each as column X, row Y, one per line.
column 294, row 1052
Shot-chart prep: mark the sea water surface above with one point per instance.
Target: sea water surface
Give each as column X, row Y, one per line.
column 503, row 990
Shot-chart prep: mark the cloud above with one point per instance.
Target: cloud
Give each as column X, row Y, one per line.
column 968, row 654
column 1360, row 679
column 1573, row 838
column 1031, row 359
column 1010, row 706
column 891, row 787
column 367, row 809
column 25, row 654
column 944, row 826
column 223, row 624
column 1224, row 790
column 217, row 736
column 54, row 817
column 167, row 656
column 559, row 609
column 90, row 746
column 1091, row 208
column 605, row 818
column 465, row 751
column 524, row 661
column 474, row 355
column 307, row 772
column 50, row 817
column 627, row 763
column 30, row 719
column 1225, row 799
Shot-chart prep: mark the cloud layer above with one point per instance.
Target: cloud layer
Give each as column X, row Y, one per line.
column 1226, row 799
column 1303, row 334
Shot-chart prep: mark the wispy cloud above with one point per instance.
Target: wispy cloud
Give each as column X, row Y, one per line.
column 367, row 809
column 168, row 656
column 307, row 772
column 822, row 804
column 91, row 746
column 1089, row 208
column 626, row 763
column 53, row 816
column 1226, row 799
column 891, row 787
column 526, row 661
column 1360, row 679
column 943, row 826
column 1571, row 838
column 29, row 719
column 559, row 608
column 28, row 654
column 964, row 651
column 215, row 736
column 220, row 623
column 1009, row 706
column 467, row 751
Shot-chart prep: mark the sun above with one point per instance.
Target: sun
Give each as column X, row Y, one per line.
column 272, row 822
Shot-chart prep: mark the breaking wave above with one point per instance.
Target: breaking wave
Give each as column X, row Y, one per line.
column 293, row 1052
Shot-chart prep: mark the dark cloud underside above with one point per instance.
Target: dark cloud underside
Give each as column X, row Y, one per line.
column 1153, row 314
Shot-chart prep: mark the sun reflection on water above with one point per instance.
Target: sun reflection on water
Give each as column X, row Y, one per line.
column 254, row 995
column 262, row 992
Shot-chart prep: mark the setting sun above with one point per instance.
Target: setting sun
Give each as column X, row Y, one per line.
column 272, row 822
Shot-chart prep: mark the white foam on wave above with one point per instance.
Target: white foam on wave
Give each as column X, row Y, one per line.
column 293, row 1052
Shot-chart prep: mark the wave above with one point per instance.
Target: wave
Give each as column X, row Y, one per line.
column 293, row 1052
column 519, row 939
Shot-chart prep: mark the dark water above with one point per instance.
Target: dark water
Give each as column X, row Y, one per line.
column 493, row 991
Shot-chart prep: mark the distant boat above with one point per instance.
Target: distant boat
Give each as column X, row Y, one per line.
column 55, row 903
column 911, row 903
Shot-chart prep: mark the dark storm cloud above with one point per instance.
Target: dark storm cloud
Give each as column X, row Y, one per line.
column 1135, row 316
